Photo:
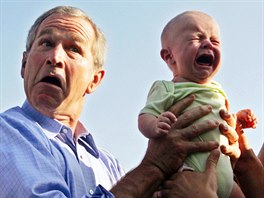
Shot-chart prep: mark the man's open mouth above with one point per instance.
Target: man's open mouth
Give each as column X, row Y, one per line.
column 205, row 59
column 52, row 80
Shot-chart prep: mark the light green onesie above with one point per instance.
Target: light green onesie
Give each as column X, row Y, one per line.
column 163, row 94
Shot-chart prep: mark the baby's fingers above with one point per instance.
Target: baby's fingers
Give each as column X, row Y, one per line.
column 170, row 116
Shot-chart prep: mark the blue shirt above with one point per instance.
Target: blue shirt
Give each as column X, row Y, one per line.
column 40, row 158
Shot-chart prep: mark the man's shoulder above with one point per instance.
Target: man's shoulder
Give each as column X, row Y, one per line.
column 15, row 122
column 12, row 113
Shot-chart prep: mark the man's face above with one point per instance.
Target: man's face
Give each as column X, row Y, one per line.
column 59, row 68
column 196, row 48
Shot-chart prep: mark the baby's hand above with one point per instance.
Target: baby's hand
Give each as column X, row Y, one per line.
column 164, row 122
column 246, row 119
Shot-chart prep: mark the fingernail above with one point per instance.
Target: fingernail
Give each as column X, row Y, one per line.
column 227, row 114
column 216, row 122
column 209, row 107
column 225, row 127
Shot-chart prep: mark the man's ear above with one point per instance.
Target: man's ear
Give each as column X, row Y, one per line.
column 97, row 79
column 167, row 56
column 24, row 61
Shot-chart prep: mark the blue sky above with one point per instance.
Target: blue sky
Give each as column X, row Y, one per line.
column 133, row 30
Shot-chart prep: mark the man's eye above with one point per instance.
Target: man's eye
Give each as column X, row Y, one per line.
column 75, row 49
column 46, row 44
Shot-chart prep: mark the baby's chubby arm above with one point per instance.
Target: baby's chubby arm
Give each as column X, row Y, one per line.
column 154, row 127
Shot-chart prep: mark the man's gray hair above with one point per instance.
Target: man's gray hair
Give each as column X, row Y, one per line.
column 99, row 45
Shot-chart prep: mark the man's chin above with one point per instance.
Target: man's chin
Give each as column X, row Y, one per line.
column 46, row 104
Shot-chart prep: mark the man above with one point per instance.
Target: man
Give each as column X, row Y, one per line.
column 45, row 149
column 52, row 153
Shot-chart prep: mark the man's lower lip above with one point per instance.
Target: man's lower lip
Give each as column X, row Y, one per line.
column 50, row 85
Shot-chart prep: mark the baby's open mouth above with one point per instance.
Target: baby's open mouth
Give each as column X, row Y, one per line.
column 205, row 59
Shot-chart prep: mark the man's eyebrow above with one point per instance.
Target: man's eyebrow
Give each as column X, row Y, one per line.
column 46, row 31
column 71, row 35
column 77, row 38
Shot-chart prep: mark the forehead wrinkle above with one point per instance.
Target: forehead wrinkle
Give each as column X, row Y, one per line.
column 67, row 24
column 68, row 35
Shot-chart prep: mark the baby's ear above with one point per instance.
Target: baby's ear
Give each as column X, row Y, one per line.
column 167, row 56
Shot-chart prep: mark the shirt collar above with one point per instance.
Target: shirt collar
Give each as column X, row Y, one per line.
column 53, row 127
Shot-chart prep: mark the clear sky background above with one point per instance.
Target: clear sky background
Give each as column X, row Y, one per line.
column 133, row 30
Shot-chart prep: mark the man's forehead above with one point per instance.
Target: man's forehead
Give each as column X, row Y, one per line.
column 67, row 34
column 70, row 24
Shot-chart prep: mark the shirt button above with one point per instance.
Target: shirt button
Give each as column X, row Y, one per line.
column 65, row 131
column 91, row 191
column 81, row 157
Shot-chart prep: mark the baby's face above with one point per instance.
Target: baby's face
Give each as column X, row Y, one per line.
column 195, row 47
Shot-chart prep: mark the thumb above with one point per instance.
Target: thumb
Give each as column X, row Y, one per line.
column 210, row 170
column 212, row 161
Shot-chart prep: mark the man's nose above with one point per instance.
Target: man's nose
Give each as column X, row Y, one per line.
column 56, row 56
